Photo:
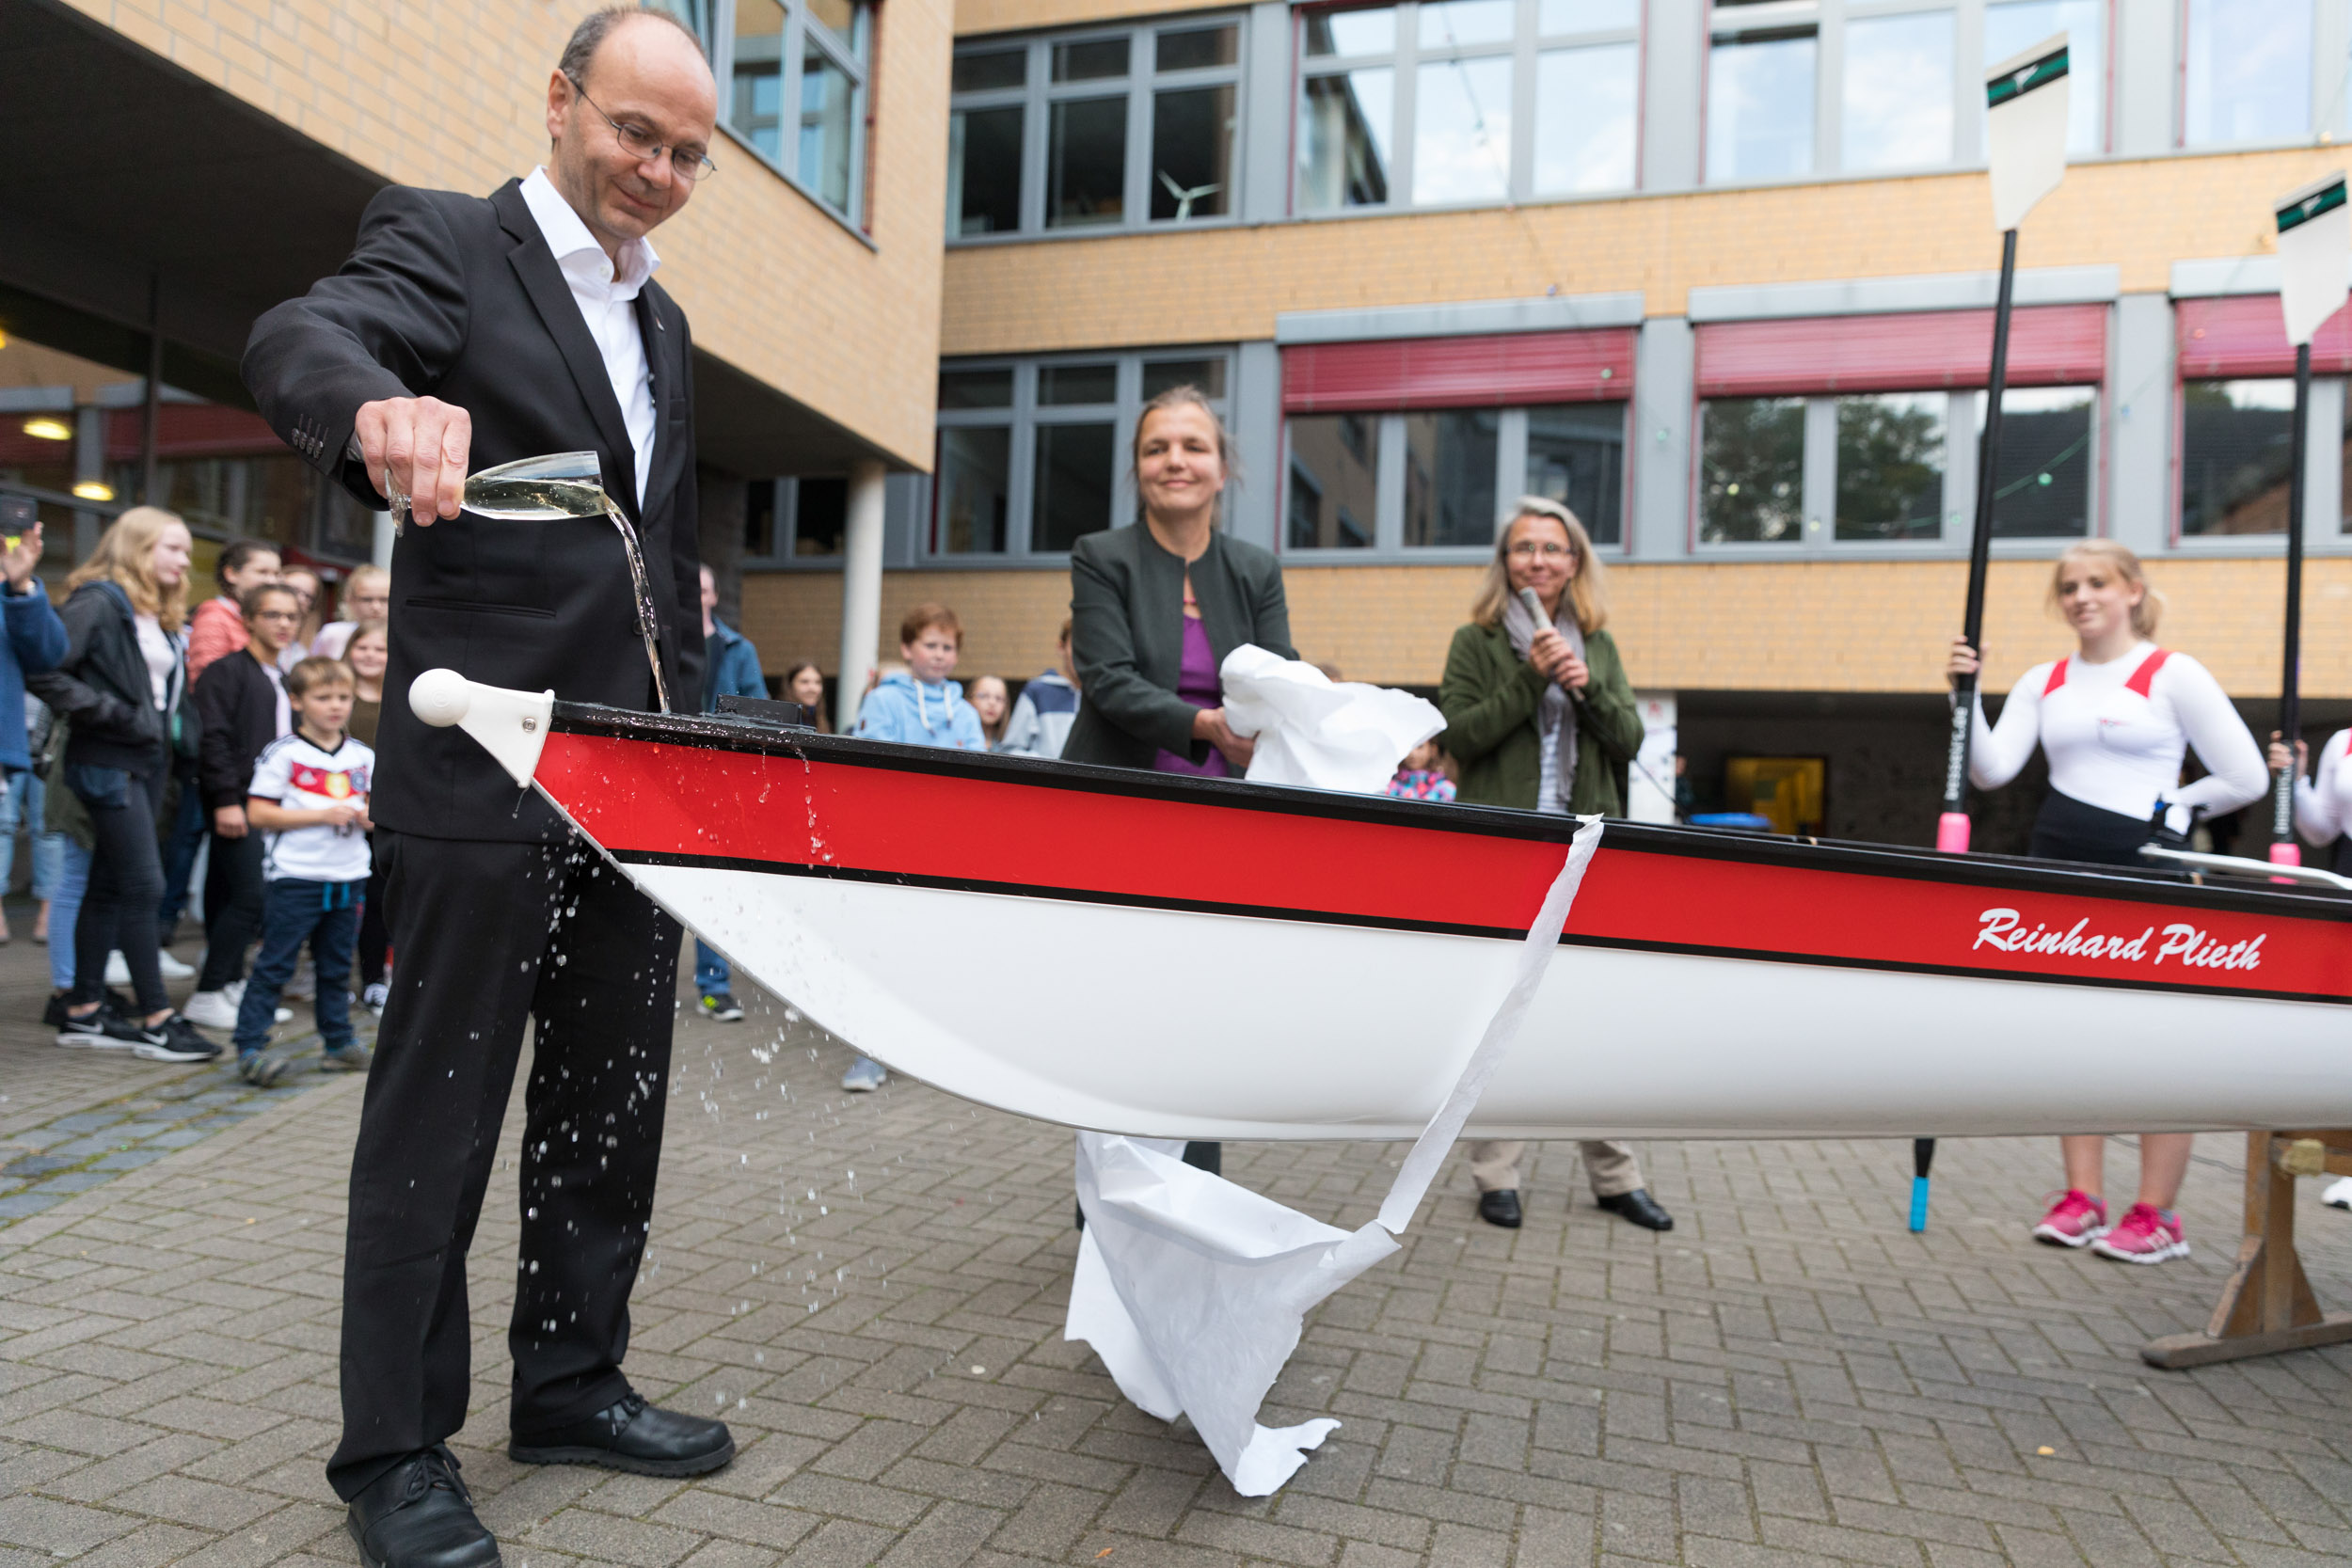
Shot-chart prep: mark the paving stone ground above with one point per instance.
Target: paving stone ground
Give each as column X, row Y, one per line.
column 870, row 1289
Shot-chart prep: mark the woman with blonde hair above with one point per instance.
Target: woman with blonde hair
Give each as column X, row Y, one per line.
column 119, row 686
column 366, row 598
column 2114, row 720
column 1540, row 717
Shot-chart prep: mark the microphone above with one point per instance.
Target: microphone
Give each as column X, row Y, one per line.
column 1535, row 607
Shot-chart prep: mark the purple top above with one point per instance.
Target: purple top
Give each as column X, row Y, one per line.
column 1196, row 683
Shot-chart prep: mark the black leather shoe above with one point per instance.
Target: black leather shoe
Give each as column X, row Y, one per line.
column 1500, row 1208
column 632, row 1436
column 418, row 1514
column 1639, row 1207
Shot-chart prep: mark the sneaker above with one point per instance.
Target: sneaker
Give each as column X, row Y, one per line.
column 53, row 1015
column 2075, row 1220
column 375, row 997
column 261, row 1069
column 722, row 1008
column 235, row 991
column 2144, row 1235
column 2338, row 1194
column 103, row 1030
column 864, row 1075
column 174, row 1039
column 212, row 1009
column 173, row 968
column 354, row 1057
column 119, row 968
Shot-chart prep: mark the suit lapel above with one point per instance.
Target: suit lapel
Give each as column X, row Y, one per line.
column 551, row 296
column 664, row 356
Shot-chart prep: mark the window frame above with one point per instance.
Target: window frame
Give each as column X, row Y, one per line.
column 2326, row 24
column 1140, row 84
column 1024, row 416
column 1388, row 546
column 853, row 57
column 786, row 537
column 1525, row 48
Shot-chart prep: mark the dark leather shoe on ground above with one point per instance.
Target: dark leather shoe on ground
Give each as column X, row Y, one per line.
column 1639, row 1207
column 632, row 1436
column 1500, row 1208
column 418, row 1514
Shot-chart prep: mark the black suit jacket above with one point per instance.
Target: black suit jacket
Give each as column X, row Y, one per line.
column 1127, row 637
column 459, row 297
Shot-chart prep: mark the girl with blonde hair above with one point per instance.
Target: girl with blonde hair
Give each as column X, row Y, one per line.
column 367, row 598
column 2114, row 720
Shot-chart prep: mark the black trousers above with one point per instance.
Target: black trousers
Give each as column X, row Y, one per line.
column 126, row 879
column 233, row 906
column 490, row 936
column 375, row 937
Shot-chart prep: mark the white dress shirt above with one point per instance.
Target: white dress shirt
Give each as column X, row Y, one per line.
column 607, row 300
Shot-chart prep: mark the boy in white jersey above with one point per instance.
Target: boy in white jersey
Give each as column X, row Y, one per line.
column 310, row 799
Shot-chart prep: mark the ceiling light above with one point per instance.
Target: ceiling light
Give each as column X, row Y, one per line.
column 48, row 427
column 94, row 490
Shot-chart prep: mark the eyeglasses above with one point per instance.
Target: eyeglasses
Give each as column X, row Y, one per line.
column 1528, row 549
column 689, row 165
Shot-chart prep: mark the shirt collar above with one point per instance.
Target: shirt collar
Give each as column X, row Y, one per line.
column 576, row 250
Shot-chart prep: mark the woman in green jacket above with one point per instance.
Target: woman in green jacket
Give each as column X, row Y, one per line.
column 1540, row 717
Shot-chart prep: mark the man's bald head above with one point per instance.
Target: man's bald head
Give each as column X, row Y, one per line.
column 580, row 51
column 631, row 77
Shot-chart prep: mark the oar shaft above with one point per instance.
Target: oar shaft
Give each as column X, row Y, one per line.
column 2290, row 675
column 1952, row 831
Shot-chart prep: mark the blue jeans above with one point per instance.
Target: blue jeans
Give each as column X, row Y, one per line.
column 65, row 904
column 325, row 916
column 711, row 974
column 28, row 806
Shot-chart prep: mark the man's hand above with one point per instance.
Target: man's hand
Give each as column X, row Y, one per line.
column 228, row 821
column 18, row 562
column 417, row 446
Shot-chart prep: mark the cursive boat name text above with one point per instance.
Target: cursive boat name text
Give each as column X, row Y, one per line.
column 2189, row 946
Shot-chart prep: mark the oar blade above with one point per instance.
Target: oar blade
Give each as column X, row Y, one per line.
column 2314, row 254
column 2026, row 99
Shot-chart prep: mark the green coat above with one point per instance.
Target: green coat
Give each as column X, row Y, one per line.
column 1489, row 698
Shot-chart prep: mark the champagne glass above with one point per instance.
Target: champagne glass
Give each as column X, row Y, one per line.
column 542, row 489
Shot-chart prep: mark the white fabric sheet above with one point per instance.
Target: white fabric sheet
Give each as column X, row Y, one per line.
column 1314, row 731
column 1193, row 1290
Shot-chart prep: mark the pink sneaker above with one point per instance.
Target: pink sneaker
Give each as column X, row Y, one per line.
column 2074, row 1220
column 2145, row 1235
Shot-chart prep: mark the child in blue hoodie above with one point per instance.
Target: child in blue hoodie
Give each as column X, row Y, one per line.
column 923, row 708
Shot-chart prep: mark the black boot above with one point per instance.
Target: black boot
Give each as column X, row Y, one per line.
column 1639, row 1207
column 1501, row 1208
column 632, row 1436
column 418, row 1514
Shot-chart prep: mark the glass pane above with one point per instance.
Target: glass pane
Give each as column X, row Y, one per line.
column 976, row 389
column 1062, row 385
column 1576, row 456
column 1194, row 48
column 2043, row 488
column 1160, row 374
column 820, row 516
column 1446, row 23
column 1462, row 131
column 756, row 110
column 1751, row 471
column 2013, row 27
column 1333, row 493
column 759, row 518
column 839, row 17
column 828, row 98
column 1086, row 173
column 2250, row 71
column 1192, row 153
column 1450, row 476
column 1899, row 92
column 984, row 170
column 988, row 68
column 2234, row 455
column 1343, row 127
column 1348, row 33
column 974, row 490
column 1587, row 16
column 1584, row 119
column 1890, row 466
column 1759, row 109
column 1089, row 61
column 1073, row 484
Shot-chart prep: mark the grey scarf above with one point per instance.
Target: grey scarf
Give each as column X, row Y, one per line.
column 1555, row 716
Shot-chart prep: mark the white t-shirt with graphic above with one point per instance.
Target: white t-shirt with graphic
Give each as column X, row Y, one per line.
column 300, row 776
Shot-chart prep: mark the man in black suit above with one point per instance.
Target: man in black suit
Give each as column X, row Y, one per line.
column 465, row 332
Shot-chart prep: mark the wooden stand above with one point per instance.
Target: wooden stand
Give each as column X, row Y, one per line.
column 2268, row 1306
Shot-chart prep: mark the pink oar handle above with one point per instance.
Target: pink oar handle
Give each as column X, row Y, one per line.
column 1951, row 834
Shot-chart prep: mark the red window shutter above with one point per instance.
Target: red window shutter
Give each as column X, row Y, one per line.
column 2245, row 335
column 194, row 430
column 2049, row 345
column 1459, row 372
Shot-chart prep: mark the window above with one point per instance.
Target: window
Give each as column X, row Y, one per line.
column 1759, row 101
column 1898, row 106
column 795, row 520
column 2235, row 436
column 1751, row 471
column 1890, row 466
column 1033, row 455
column 1136, row 126
column 2247, row 75
column 2013, row 27
column 1418, row 103
column 2042, row 490
column 797, row 77
column 1449, row 473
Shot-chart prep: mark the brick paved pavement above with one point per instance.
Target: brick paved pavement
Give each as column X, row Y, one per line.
column 1787, row 1378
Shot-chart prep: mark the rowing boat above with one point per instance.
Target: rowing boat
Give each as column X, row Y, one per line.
column 1212, row 958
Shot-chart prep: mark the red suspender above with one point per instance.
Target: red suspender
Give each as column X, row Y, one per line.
column 2057, row 677
column 2145, row 677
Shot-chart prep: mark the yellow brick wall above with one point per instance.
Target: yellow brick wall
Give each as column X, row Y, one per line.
column 1213, row 285
column 772, row 285
column 1789, row 626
